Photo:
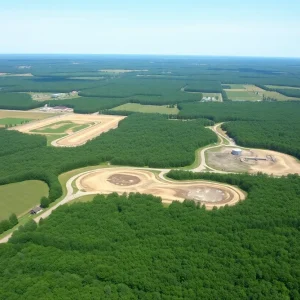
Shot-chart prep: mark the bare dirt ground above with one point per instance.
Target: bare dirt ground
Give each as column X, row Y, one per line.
column 48, row 96
column 103, row 123
column 272, row 163
column 222, row 159
column 34, row 115
column 126, row 180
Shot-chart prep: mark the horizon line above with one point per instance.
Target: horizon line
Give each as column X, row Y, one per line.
column 145, row 54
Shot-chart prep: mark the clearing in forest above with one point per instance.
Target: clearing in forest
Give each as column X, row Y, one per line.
column 20, row 197
column 126, row 180
column 63, row 127
column 16, row 75
column 282, row 87
column 252, row 161
column 53, row 96
column 250, row 92
column 79, row 128
column 12, row 121
column 19, row 114
column 160, row 109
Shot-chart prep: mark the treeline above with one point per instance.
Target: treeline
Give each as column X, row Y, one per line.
column 45, row 84
column 138, row 249
column 144, row 91
column 289, row 92
column 140, row 140
column 237, row 111
column 279, row 136
column 18, row 101
column 11, row 222
column 204, row 87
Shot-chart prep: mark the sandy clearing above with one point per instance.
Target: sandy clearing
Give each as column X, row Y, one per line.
column 220, row 159
column 284, row 164
column 102, row 123
column 144, row 181
column 24, row 114
column 81, row 137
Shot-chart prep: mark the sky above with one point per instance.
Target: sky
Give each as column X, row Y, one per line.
column 264, row 28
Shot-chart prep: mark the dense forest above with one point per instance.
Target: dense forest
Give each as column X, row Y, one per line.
column 119, row 247
column 140, row 140
column 241, row 111
column 12, row 141
column 204, row 86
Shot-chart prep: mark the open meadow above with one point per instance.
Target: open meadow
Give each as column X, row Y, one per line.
column 152, row 109
column 20, row 197
column 248, row 92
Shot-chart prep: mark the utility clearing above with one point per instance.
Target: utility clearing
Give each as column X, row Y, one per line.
column 127, row 180
column 79, row 128
column 252, row 161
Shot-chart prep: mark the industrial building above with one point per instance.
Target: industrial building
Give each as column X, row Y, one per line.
column 236, row 151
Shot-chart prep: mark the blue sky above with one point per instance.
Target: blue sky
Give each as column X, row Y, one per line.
column 230, row 28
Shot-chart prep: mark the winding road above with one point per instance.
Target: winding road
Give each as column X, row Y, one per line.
column 71, row 195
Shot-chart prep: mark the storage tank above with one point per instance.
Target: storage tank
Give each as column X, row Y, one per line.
column 236, row 151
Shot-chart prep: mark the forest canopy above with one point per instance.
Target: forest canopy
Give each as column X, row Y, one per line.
column 140, row 140
column 134, row 248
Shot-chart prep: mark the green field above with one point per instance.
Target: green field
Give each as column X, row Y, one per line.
column 20, row 197
column 135, row 107
column 282, row 87
column 61, row 129
column 243, row 96
column 51, row 138
column 13, row 121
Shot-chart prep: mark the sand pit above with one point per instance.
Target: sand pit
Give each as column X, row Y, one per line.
column 100, row 124
column 253, row 161
column 126, row 180
column 123, row 179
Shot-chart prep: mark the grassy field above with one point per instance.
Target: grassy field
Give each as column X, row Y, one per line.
column 19, row 114
column 243, row 96
column 13, row 121
column 51, row 138
column 20, row 197
column 249, row 92
column 61, row 128
column 83, row 199
column 282, row 87
column 275, row 95
column 135, row 107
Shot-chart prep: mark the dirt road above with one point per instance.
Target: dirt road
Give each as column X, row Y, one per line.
column 103, row 123
column 127, row 179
